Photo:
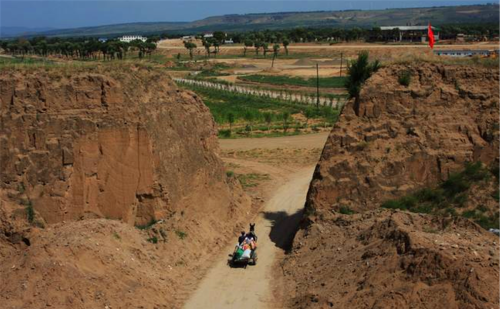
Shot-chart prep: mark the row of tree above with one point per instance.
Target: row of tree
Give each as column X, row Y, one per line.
column 81, row 48
column 296, row 35
column 257, row 45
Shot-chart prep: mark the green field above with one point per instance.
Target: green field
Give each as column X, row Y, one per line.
column 255, row 113
column 324, row 82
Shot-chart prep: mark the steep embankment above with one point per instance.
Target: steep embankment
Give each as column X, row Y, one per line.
column 116, row 143
column 397, row 139
column 392, row 142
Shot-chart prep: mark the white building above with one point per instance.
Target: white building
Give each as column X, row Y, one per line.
column 208, row 35
column 130, row 38
column 463, row 53
column 188, row 38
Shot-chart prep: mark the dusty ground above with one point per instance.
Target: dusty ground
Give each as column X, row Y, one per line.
column 283, row 196
column 310, row 141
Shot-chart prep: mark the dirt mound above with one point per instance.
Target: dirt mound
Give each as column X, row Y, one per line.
column 397, row 139
column 99, row 263
column 383, row 259
column 117, row 143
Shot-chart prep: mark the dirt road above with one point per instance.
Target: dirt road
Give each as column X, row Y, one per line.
column 226, row 287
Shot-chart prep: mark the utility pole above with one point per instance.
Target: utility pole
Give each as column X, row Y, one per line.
column 341, row 56
column 317, row 86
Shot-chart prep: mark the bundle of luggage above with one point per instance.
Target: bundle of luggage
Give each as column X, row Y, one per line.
column 245, row 248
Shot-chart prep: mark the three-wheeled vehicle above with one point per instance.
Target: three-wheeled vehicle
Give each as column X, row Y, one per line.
column 239, row 260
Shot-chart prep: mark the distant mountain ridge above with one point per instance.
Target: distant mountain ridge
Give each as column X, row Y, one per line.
column 17, row 31
column 487, row 13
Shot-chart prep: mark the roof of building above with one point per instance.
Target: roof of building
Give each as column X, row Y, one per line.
column 476, row 51
column 405, row 28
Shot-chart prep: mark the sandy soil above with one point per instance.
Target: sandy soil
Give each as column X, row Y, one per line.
column 308, row 141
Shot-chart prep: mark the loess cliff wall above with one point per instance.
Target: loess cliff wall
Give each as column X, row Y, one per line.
column 120, row 145
column 393, row 141
column 396, row 139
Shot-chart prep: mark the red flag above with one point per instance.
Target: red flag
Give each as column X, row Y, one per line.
column 430, row 34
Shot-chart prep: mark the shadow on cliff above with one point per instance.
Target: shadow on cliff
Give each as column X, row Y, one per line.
column 284, row 227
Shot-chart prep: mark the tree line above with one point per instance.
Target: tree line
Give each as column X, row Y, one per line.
column 373, row 34
column 81, row 48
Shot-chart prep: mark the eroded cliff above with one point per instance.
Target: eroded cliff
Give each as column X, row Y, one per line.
column 86, row 155
column 394, row 141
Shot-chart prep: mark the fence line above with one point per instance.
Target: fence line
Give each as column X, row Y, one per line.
column 282, row 95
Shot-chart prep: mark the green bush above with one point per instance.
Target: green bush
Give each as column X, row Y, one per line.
column 225, row 133
column 30, row 212
column 404, row 78
column 181, row 234
column 148, row 225
column 358, row 72
column 229, row 173
column 345, row 210
column 153, row 240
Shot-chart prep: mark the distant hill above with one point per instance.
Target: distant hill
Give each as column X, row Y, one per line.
column 20, row 31
column 488, row 13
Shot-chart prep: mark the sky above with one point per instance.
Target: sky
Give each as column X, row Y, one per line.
column 71, row 14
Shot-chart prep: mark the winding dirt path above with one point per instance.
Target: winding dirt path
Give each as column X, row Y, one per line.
column 225, row 287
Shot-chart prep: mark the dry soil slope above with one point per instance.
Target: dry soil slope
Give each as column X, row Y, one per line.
column 383, row 259
column 396, row 139
column 117, row 143
column 391, row 142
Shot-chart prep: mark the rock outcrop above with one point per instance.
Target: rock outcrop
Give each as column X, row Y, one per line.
column 397, row 139
column 119, row 145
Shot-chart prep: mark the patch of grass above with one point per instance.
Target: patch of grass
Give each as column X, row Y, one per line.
column 181, row 234
column 153, row 240
column 224, row 133
column 324, row 82
column 229, row 173
column 362, row 145
column 252, row 179
column 30, row 212
column 345, row 210
column 147, row 226
column 404, row 78
column 448, row 196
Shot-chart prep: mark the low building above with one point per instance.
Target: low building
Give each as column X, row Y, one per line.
column 208, row 35
column 102, row 40
column 407, row 33
column 463, row 53
column 230, row 41
column 130, row 38
column 460, row 37
column 188, row 38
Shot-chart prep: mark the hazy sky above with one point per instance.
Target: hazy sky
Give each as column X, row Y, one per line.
column 69, row 13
